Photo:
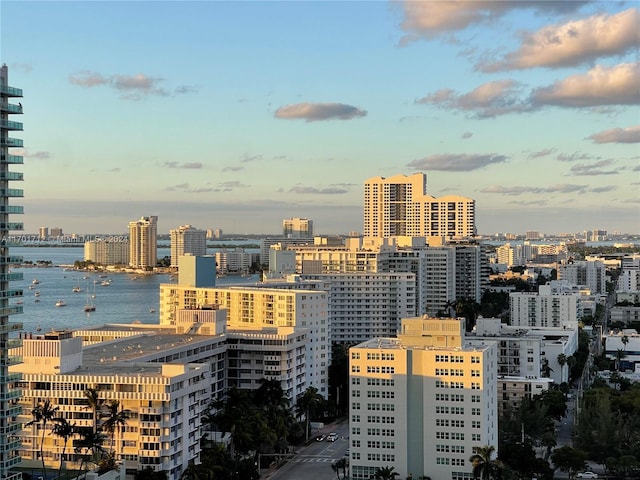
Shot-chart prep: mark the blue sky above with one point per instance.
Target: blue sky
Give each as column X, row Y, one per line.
column 235, row 115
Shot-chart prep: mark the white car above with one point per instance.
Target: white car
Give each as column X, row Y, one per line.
column 332, row 437
column 587, row 475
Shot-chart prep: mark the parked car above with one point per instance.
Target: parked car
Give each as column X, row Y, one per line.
column 587, row 475
column 320, row 438
column 332, row 437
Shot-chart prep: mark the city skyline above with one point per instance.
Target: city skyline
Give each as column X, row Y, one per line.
column 236, row 115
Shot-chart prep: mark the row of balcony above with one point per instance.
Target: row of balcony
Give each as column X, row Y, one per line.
column 8, row 91
column 12, row 159
column 10, row 108
column 11, row 176
column 11, row 192
column 10, row 125
column 11, row 142
column 11, row 260
column 11, row 411
column 10, row 327
column 11, row 277
column 11, row 226
column 12, row 360
column 11, row 293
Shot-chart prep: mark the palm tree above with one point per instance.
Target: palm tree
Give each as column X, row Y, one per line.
column 94, row 403
column 625, row 340
column 483, row 466
column 307, row 404
column 115, row 418
column 385, row 473
column 65, row 430
column 335, row 468
column 562, row 361
column 43, row 414
column 90, row 442
column 343, row 463
column 620, row 354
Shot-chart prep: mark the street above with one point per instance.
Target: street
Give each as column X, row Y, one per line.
column 314, row 461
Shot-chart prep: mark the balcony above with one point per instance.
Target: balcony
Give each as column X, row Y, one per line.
column 12, row 310
column 10, row 91
column 11, row 277
column 11, row 226
column 11, row 192
column 11, row 395
column 12, row 360
column 11, row 327
column 12, row 159
column 11, row 142
column 12, row 176
column 11, row 260
column 10, row 108
column 10, row 125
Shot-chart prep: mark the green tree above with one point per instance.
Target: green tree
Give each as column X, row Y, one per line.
column 569, row 459
column 42, row 414
column 231, row 415
column 89, row 446
column 65, row 430
column 115, row 419
column 484, row 467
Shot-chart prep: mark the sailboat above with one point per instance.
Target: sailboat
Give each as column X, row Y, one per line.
column 90, row 306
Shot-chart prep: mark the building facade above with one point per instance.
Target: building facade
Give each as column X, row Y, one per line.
column 422, row 401
column 107, row 252
column 589, row 273
column 297, row 228
column 187, row 239
column 9, row 390
column 143, row 242
column 400, row 206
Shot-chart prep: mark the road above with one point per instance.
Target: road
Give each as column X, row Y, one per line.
column 314, row 461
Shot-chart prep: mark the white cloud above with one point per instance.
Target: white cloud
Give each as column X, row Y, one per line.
column 432, row 18
column 618, row 135
column 574, row 43
column 486, row 101
column 617, row 85
column 131, row 87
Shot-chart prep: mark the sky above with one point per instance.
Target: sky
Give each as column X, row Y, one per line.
column 237, row 115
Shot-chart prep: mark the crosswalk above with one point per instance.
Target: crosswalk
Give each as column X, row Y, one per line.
column 313, row 460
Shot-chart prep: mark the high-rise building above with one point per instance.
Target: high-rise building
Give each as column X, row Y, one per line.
column 9, row 393
column 56, row 232
column 143, row 242
column 400, row 206
column 297, row 228
column 43, row 233
column 187, row 239
column 591, row 273
column 422, row 401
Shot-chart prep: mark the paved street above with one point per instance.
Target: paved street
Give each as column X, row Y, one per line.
column 314, row 461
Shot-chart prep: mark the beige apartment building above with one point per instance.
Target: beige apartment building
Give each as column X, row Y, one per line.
column 399, row 206
column 143, row 242
column 422, row 401
column 260, row 307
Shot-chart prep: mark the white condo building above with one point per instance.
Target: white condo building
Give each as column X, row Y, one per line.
column 187, row 240
column 143, row 242
column 589, row 273
column 400, row 206
column 422, row 401
column 107, row 251
column 544, row 309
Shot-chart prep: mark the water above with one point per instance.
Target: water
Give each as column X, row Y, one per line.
column 128, row 297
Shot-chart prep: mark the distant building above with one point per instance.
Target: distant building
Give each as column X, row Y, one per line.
column 236, row 261
column 107, row 252
column 143, row 242
column 187, row 239
column 400, row 206
column 56, row 232
column 297, row 228
column 592, row 274
column 532, row 235
column 43, row 233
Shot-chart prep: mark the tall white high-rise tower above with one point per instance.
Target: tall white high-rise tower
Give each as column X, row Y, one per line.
column 187, row 239
column 143, row 242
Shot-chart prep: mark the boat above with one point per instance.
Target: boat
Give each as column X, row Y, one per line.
column 76, row 289
column 105, row 283
column 35, row 281
column 37, row 294
column 89, row 306
column 152, row 310
column 61, row 303
column 38, row 328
